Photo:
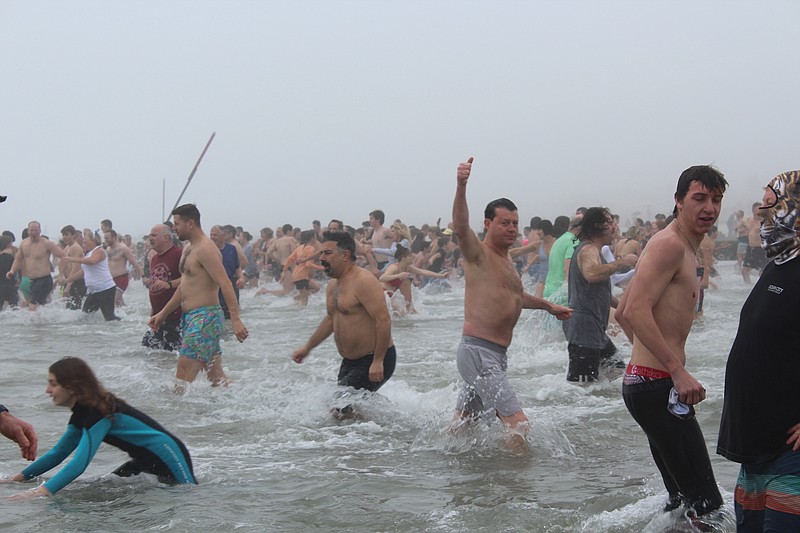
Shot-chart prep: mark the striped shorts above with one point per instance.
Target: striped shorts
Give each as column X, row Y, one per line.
column 767, row 495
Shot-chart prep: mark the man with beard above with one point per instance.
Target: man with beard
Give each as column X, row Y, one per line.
column 202, row 323
column 357, row 316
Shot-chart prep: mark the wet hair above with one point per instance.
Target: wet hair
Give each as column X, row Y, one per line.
column 708, row 176
column 74, row 374
column 287, row 229
column 344, row 241
column 5, row 242
column 594, row 223
column 560, row 226
column 492, row 206
column 112, row 233
column 106, row 222
column 188, row 212
column 339, row 224
column 378, row 215
column 69, row 229
column 546, row 226
column 306, row 236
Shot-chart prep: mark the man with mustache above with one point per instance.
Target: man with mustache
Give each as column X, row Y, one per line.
column 357, row 316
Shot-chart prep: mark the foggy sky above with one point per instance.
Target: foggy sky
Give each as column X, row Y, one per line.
column 332, row 109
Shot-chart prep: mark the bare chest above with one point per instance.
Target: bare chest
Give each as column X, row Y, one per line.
column 36, row 251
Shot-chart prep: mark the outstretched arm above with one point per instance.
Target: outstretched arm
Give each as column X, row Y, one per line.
column 530, row 301
column 322, row 332
column 470, row 245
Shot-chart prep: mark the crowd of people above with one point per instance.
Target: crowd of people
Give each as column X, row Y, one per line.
column 648, row 281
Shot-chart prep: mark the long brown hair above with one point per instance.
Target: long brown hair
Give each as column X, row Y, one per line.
column 74, row 374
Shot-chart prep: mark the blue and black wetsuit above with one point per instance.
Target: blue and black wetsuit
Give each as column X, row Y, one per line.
column 152, row 448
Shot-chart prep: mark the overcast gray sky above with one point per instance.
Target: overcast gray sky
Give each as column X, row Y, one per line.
column 331, row 109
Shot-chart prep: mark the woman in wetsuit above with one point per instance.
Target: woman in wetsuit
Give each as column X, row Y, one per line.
column 99, row 416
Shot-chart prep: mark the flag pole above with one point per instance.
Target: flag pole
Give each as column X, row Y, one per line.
column 188, row 181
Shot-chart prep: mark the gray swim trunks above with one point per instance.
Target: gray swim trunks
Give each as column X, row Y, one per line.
column 483, row 365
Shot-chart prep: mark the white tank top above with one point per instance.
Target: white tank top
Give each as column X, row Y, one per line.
column 97, row 277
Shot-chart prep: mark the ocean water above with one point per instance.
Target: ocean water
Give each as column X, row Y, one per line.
column 269, row 457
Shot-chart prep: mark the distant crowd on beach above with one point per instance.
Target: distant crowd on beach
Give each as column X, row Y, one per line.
column 263, row 260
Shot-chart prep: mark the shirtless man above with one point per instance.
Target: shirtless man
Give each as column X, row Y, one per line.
column 656, row 312
column 279, row 250
column 119, row 256
column 358, row 318
column 741, row 237
column 34, row 258
column 77, row 289
column 493, row 301
column 755, row 257
column 381, row 237
column 202, row 276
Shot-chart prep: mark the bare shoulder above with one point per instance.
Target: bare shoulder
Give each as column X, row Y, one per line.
column 588, row 253
column 366, row 280
column 664, row 251
column 205, row 251
column 472, row 249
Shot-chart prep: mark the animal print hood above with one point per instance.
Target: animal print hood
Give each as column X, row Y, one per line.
column 779, row 231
